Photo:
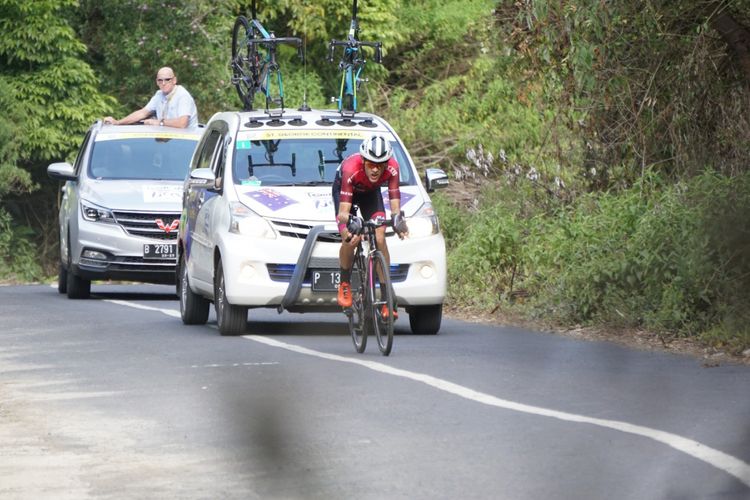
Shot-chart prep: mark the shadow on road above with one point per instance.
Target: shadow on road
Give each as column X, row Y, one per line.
column 298, row 329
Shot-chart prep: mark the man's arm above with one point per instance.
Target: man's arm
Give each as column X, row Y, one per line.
column 395, row 206
column 180, row 122
column 394, row 199
column 133, row 117
column 343, row 215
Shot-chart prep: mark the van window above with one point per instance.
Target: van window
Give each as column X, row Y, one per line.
column 300, row 161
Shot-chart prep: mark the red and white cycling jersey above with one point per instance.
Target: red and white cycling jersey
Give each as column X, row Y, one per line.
column 354, row 178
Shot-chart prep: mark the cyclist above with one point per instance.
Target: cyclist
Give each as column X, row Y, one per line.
column 358, row 180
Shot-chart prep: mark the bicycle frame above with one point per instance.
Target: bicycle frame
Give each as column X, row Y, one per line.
column 352, row 63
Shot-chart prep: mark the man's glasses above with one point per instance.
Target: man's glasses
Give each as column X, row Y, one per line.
column 163, row 80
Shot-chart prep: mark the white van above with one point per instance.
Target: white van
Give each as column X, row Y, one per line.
column 258, row 227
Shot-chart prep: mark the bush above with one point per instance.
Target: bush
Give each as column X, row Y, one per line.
column 672, row 259
column 18, row 255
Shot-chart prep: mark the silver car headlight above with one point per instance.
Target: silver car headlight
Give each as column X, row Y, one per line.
column 423, row 223
column 95, row 213
column 244, row 221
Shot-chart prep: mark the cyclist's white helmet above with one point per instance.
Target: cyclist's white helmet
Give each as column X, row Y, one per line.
column 376, row 148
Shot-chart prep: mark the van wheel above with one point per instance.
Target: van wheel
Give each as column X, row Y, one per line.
column 62, row 279
column 193, row 308
column 232, row 319
column 425, row 320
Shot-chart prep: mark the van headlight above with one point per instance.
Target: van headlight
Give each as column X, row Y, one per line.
column 423, row 223
column 244, row 221
column 95, row 213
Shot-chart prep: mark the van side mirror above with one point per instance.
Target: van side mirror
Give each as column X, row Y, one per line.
column 435, row 178
column 202, row 178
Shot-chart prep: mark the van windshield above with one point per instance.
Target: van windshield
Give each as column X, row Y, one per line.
column 285, row 162
column 141, row 158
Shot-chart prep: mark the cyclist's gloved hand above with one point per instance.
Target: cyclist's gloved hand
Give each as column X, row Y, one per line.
column 355, row 225
column 399, row 225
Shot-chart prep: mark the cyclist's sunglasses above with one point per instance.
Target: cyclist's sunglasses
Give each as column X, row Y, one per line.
column 375, row 165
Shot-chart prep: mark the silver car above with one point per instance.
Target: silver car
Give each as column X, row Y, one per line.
column 120, row 205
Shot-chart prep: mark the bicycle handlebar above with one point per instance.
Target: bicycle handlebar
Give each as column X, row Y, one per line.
column 271, row 43
column 355, row 44
column 275, row 41
column 373, row 223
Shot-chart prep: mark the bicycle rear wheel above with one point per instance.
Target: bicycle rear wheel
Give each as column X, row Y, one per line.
column 357, row 313
column 244, row 62
column 383, row 324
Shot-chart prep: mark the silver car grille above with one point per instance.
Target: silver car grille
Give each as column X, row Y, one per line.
column 154, row 225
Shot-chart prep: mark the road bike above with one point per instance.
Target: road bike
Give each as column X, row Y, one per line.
column 371, row 291
column 352, row 63
column 254, row 65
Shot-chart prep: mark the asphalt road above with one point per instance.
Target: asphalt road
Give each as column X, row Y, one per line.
column 113, row 397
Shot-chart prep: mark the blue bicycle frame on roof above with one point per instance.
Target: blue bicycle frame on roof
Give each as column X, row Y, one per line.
column 352, row 63
column 265, row 85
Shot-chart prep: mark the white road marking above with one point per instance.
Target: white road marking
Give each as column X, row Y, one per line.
column 236, row 365
column 716, row 458
column 168, row 312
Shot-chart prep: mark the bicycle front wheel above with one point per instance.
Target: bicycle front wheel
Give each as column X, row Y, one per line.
column 244, row 62
column 357, row 313
column 382, row 307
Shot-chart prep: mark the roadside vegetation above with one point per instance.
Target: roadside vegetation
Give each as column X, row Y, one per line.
column 598, row 151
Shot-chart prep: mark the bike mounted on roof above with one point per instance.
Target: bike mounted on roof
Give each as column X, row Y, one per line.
column 352, row 63
column 256, row 70
column 254, row 65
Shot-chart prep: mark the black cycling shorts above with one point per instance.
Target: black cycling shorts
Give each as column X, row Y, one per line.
column 370, row 203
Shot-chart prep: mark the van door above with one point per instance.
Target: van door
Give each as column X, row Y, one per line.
column 198, row 246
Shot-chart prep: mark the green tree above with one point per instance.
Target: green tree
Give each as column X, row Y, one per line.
column 49, row 97
column 44, row 72
column 129, row 40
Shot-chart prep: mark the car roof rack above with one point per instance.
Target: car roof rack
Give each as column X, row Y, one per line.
column 274, row 119
column 347, row 118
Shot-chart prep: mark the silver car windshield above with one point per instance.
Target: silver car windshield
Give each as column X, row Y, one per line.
column 300, row 162
column 141, row 158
